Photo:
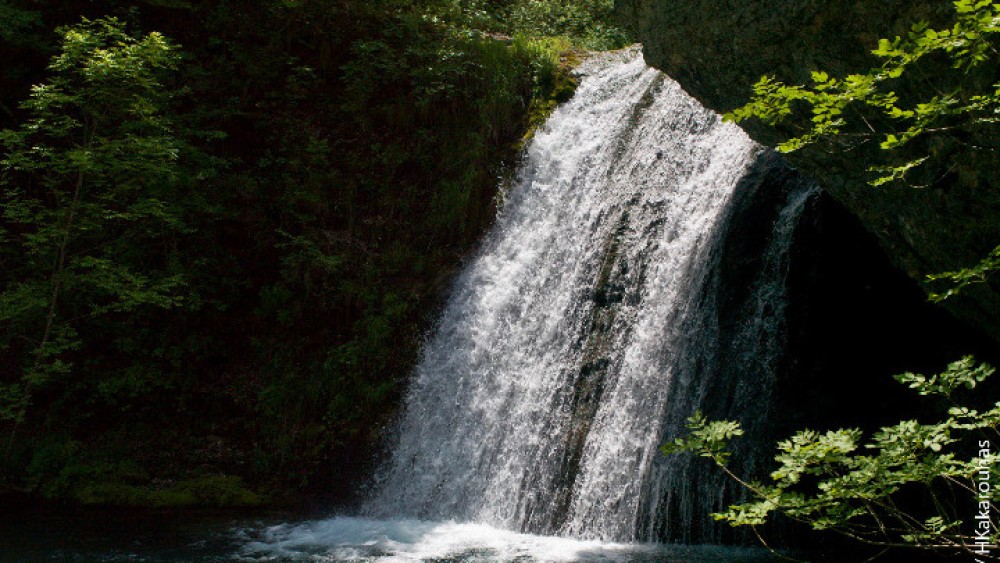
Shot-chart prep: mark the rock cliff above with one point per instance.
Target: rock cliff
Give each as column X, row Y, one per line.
column 718, row 49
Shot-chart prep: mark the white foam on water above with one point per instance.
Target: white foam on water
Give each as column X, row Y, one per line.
column 389, row 541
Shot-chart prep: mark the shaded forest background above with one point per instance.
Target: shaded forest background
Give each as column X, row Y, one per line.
column 215, row 299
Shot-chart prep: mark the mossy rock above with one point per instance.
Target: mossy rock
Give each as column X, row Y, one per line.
column 222, row 491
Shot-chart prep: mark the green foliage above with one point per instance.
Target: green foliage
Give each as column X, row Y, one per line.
column 867, row 490
column 14, row 21
column 958, row 280
column 963, row 373
column 862, row 107
column 587, row 24
column 224, row 258
column 912, row 484
column 707, row 438
column 207, row 490
column 66, row 469
column 371, row 214
column 95, row 164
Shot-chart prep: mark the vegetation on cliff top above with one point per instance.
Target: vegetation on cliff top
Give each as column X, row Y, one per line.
column 223, row 225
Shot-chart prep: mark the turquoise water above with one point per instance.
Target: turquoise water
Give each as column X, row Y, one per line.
column 104, row 536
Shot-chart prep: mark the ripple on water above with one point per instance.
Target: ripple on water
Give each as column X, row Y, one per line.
column 361, row 539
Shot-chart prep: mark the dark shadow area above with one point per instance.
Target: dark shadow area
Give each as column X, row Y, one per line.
column 854, row 321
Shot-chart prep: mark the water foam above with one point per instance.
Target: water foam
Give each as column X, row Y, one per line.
column 398, row 541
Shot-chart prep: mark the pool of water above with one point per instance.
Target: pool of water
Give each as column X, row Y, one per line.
column 359, row 539
column 110, row 536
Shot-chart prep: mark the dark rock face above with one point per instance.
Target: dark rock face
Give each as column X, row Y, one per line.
column 718, row 50
column 852, row 320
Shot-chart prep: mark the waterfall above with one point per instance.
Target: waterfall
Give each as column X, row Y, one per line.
column 599, row 313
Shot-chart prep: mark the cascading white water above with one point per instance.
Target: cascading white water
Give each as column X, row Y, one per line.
column 735, row 384
column 587, row 326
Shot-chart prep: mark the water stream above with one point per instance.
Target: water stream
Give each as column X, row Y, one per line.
column 587, row 328
column 601, row 310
